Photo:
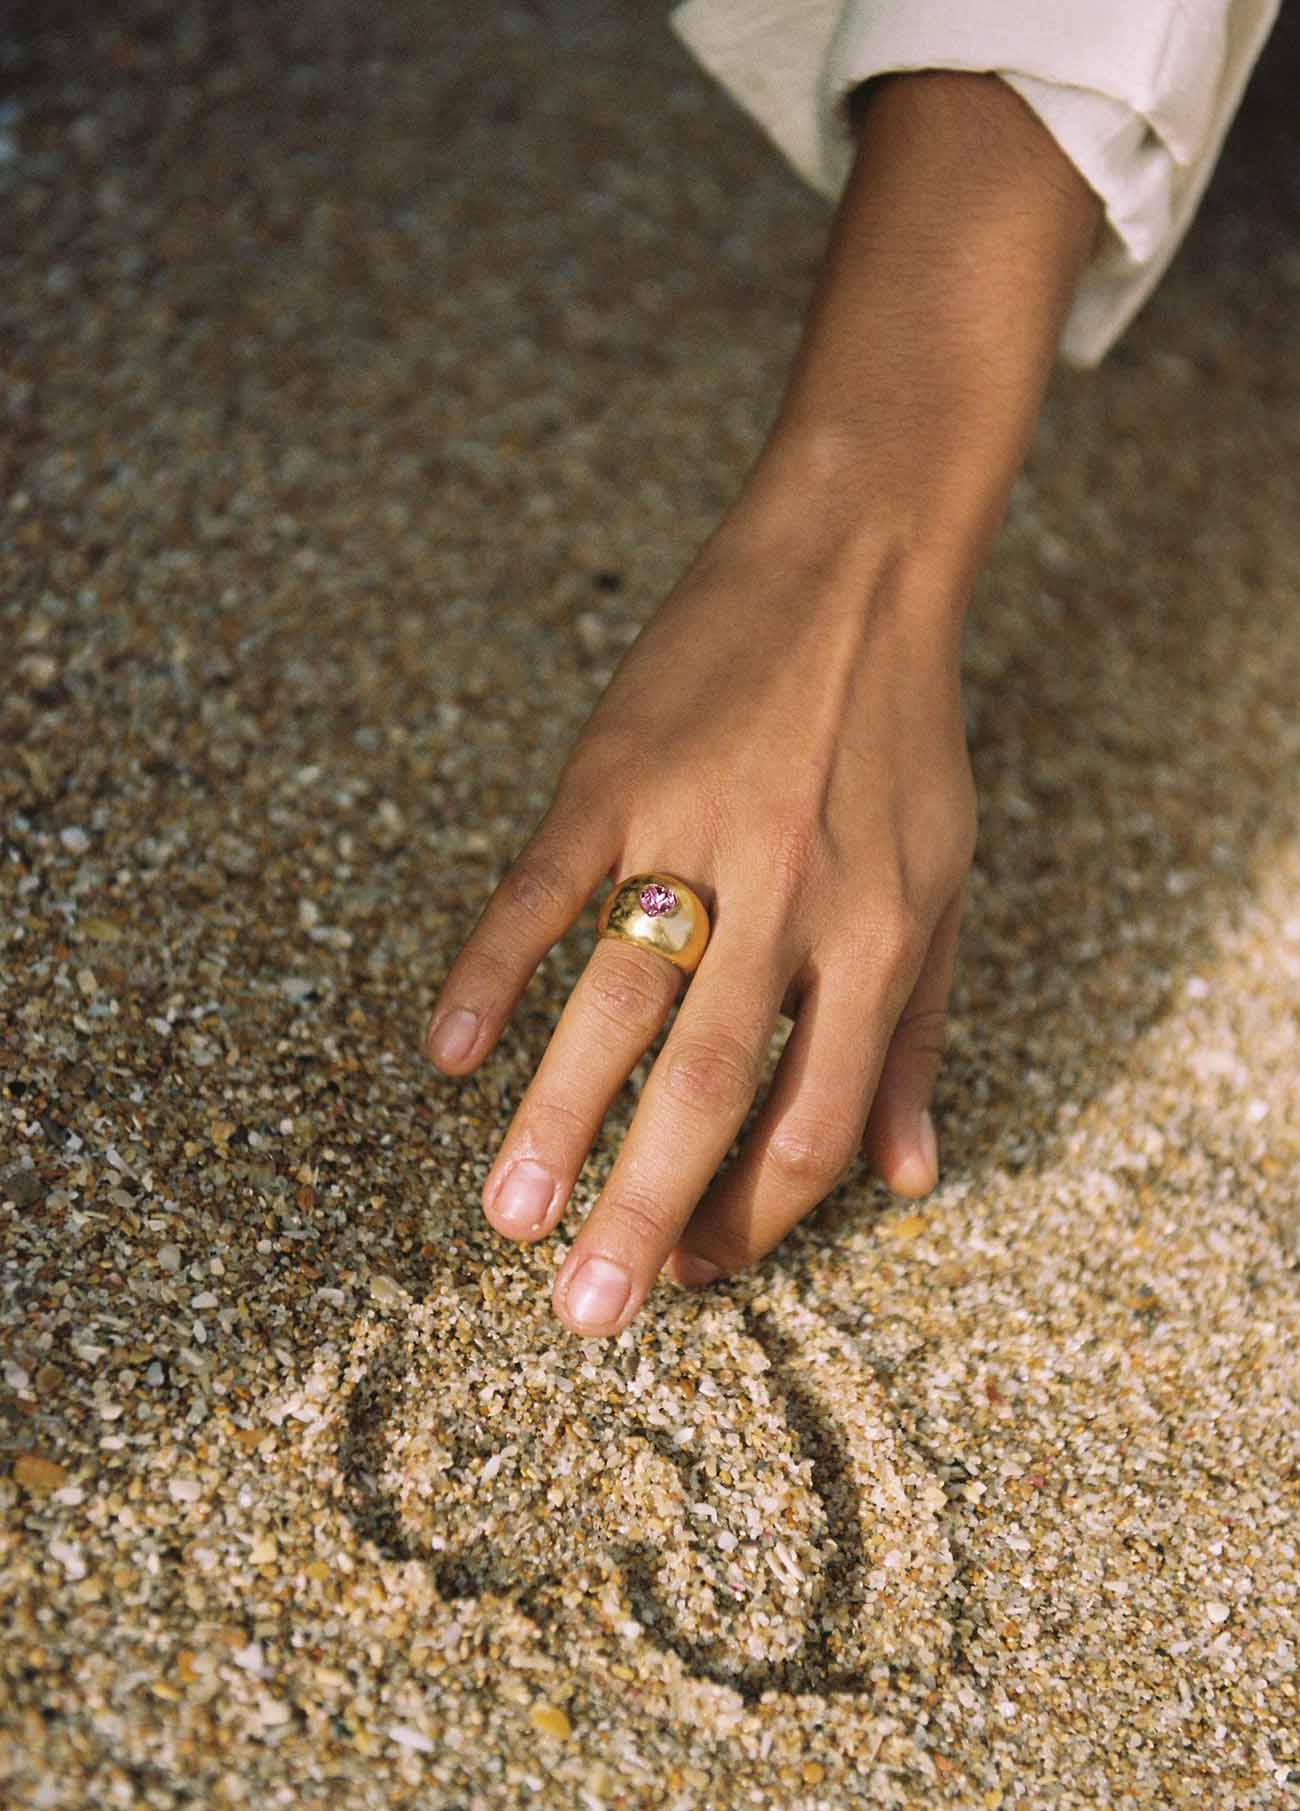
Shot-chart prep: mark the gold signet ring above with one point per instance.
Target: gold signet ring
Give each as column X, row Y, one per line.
column 662, row 914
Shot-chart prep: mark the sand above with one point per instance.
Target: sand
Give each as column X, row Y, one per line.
column 368, row 375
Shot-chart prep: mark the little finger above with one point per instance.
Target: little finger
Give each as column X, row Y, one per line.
column 900, row 1137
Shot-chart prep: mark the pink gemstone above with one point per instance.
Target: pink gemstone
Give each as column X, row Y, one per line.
column 656, row 900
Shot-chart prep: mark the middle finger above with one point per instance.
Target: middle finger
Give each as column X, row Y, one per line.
column 610, row 1019
column 693, row 1104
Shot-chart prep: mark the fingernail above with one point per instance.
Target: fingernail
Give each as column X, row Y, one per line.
column 916, row 1172
column 524, row 1198
column 929, row 1144
column 452, row 1038
column 692, row 1272
column 598, row 1293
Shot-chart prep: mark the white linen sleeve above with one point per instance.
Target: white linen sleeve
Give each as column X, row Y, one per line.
column 1139, row 94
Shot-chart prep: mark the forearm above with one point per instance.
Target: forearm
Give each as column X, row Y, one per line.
column 788, row 727
column 951, row 266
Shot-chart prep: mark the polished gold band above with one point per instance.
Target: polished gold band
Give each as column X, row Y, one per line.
column 661, row 913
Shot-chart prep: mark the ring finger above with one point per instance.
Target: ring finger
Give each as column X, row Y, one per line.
column 692, row 1106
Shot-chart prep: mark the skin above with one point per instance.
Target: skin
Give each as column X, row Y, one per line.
column 787, row 735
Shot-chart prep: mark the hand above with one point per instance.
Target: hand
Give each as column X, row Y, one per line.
column 786, row 735
column 795, row 751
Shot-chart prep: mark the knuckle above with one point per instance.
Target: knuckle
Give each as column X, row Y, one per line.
column 558, row 1115
column 718, row 1076
column 480, row 973
column 536, row 888
column 810, row 1156
column 795, row 858
column 890, row 940
column 794, row 850
column 642, row 1218
column 623, row 989
column 926, row 1031
column 900, row 939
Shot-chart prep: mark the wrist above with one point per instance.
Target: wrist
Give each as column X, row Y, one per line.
column 956, row 250
column 926, row 496
column 930, row 337
column 801, row 541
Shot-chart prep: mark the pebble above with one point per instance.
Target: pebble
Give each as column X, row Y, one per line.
column 550, row 1720
column 413, row 1740
column 101, row 930
column 70, row 1556
column 22, row 1185
column 38, row 1476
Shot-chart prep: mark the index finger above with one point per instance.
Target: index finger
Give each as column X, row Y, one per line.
column 693, row 1104
column 533, row 905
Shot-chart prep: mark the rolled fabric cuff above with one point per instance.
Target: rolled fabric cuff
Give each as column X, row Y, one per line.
column 1139, row 97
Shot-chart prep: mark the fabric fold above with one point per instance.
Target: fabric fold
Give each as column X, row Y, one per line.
column 1139, row 96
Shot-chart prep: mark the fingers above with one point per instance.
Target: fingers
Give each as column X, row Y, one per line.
column 610, row 1019
column 806, row 1136
column 864, row 1051
column 900, row 1139
column 693, row 1104
column 536, row 901
column 840, row 1068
